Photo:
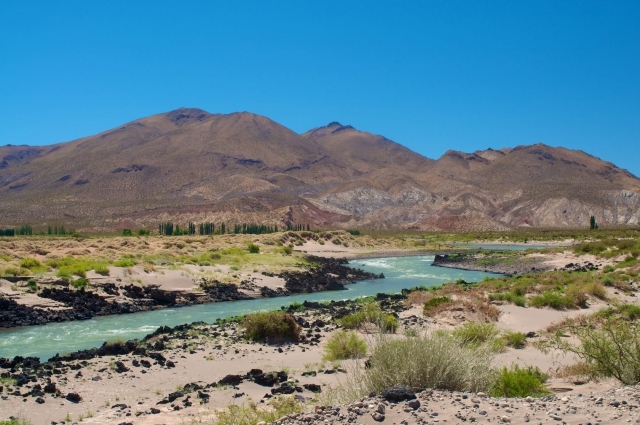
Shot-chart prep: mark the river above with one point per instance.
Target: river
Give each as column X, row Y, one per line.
column 44, row 341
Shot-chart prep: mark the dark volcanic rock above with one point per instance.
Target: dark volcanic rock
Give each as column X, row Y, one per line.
column 328, row 274
column 397, row 394
column 73, row 397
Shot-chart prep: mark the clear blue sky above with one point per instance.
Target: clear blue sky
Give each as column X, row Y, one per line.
column 431, row 75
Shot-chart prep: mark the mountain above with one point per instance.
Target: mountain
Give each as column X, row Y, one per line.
column 190, row 165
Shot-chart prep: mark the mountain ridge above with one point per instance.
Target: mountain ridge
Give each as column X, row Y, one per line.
column 191, row 165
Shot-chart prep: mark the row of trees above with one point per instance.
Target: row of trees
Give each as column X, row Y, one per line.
column 58, row 230
column 208, row 228
column 24, row 230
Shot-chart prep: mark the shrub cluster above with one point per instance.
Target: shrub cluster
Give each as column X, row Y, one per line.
column 370, row 313
column 272, row 326
column 345, row 345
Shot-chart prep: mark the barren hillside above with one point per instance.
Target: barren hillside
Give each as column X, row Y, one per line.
column 188, row 164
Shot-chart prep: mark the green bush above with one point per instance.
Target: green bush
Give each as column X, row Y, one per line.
column 370, row 313
column 102, row 269
column 68, row 271
column 435, row 360
column 30, row 263
column 287, row 250
column 32, row 284
column 433, row 303
column 80, row 283
column 127, row 232
column 11, row 271
column 272, row 326
column 552, row 299
column 629, row 311
column 475, row 333
column 515, row 339
column 344, row 345
column 610, row 348
column 516, row 382
column 253, row 248
column 124, row 262
column 510, row 297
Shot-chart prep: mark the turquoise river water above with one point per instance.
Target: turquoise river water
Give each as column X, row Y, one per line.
column 46, row 340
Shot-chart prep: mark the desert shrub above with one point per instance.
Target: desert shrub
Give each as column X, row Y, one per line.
column 436, row 360
column 124, row 262
column 30, row 263
column 251, row 414
column 127, row 232
column 597, row 290
column 610, row 346
column 101, row 269
column 552, row 299
column 271, row 326
column 629, row 311
column 68, row 271
column 607, row 281
column 515, row 339
column 517, row 382
column 431, row 305
column 578, row 294
column 418, row 298
column 32, row 284
column 509, row 297
column 11, row 271
column 370, row 313
column 287, row 250
column 476, row 333
column 253, row 248
column 344, row 345
column 80, row 283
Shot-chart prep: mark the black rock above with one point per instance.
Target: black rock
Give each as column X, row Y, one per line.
column 232, row 380
column 314, row 388
column 73, row 397
column 40, row 400
column 397, row 394
column 120, row 367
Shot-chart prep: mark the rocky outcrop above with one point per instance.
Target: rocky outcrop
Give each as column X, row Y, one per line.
column 326, row 274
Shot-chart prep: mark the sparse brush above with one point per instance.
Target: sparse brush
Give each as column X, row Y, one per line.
column 477, row 333
column 435, row 305
column 344, row 345
column 552, row 299
column 250, row 414
column 611, row 346
column 597, row 290
column 370, row 313
column 437, row 360
column 515, row 339
column 517, row 382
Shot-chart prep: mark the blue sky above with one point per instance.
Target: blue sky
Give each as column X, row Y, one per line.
column 431, row 75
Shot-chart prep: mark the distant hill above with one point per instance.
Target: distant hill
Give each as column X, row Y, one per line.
column 190, row 165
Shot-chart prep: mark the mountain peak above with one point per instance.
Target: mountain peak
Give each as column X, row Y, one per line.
column 182, row 116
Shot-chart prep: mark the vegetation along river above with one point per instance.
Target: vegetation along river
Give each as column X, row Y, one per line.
column 44, row 341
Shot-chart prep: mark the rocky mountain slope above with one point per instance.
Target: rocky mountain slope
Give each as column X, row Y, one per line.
column 189, row 164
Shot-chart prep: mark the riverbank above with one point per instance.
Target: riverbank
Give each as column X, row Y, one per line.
column 56, row 300
column 188, row 373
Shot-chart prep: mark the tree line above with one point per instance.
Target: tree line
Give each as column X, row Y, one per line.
column 209, row 228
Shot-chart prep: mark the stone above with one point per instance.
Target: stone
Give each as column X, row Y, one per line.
column 73, row 397
column 397, row 394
